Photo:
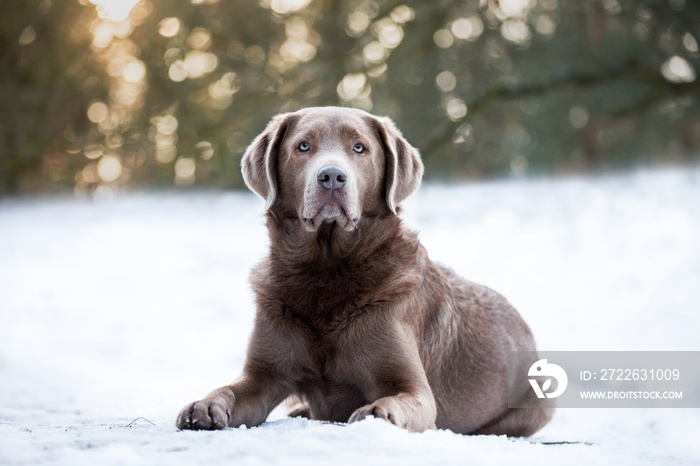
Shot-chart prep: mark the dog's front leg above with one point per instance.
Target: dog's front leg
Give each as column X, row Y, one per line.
column 398, row 384
column 255, row 394
column 415, row 412
column 247, row 401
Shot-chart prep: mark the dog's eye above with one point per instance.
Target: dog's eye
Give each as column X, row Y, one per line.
column 359, row 147
column 303, row 146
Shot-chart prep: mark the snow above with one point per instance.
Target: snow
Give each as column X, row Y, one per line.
column 112, row 311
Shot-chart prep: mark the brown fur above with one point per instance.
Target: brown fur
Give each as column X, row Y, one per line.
column 353, row 319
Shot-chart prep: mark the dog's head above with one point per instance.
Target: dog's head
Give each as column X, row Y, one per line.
column 331, row 164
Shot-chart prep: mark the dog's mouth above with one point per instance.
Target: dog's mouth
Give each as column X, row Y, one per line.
column 327, row 212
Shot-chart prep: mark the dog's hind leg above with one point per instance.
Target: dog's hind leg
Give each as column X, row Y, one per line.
column 518, row 422
column 298, row 407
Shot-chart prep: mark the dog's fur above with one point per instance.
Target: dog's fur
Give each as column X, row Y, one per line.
column 353, row 319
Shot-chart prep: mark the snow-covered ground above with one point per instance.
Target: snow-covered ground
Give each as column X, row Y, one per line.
column 114, row 311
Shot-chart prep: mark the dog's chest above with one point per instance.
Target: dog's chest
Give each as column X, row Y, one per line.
column 328, row 375
column 325, row 341
column 332, row 380
column 322, row 343
column 321, row 321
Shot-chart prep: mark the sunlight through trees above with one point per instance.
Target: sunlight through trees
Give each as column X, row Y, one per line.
column 107, row 94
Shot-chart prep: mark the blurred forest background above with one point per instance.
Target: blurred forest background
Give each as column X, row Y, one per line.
column 99, row 95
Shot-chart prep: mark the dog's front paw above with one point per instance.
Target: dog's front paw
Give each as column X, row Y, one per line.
column 207, row 414
column 378, row 410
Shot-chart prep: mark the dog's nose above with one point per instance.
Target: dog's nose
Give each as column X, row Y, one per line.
column 332, row 177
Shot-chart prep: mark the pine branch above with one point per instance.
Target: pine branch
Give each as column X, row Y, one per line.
column 660, row 88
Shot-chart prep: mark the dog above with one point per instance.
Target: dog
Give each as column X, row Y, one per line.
column 353, row 319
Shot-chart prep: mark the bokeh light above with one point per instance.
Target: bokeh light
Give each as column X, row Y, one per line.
column 677, row 69
column 169, row 27
column 114, row 10
column 109, row 168
column 97, row 112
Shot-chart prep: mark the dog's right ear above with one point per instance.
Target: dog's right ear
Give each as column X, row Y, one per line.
column 259, row 163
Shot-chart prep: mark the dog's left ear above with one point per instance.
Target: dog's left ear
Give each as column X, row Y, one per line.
column 259, row 163
column 404, row 168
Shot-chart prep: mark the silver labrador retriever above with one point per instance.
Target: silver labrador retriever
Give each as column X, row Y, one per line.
column 353, row 319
